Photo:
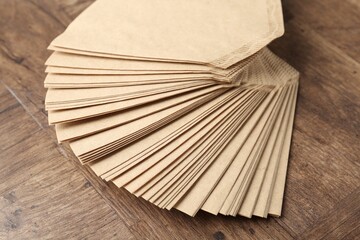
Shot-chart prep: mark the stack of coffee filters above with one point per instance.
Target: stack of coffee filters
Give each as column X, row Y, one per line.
column 179, row 102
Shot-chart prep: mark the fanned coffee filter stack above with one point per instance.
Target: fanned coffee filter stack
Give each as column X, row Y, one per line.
column 179, row 102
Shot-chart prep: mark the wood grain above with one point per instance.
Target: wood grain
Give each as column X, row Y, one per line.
column 46, row 194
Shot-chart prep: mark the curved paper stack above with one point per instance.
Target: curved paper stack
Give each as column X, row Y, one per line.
column 179, row 102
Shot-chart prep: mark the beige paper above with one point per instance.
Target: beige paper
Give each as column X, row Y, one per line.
column 219, row 194
column 83, row 147
column 193, row 159
column 186, row 139
column 215, row 151
column 85, row 71
column 279, row 187
column 196, row 196
column 176, row 30
column 184, row 108
column 66, row 60
column 87, row 81
column 233, row 202
column 269, row 154
column 72, row 130
column 58, row 99
column 133, row 150
column 69, row 115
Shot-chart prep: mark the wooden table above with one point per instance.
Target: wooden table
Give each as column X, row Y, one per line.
column 47, row 194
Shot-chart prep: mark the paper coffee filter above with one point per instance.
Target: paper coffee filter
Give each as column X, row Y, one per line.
column 176, row 30
column 179, row 102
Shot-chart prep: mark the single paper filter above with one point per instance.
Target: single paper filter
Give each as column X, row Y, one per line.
column 179, row 102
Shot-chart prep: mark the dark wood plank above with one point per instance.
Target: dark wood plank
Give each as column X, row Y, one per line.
column 325, row 151
column 43, row 196
column 15, row 126
column 336, row 21
column 342, row 222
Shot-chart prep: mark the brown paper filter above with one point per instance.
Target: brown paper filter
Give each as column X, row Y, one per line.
column 180, row 31
column 179, row 102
